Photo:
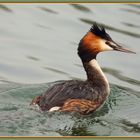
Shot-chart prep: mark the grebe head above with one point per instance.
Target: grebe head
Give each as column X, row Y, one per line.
column 95, row 41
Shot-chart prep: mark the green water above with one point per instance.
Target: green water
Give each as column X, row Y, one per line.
column 38, row 46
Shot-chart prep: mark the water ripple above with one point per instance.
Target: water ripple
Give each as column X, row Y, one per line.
column 88, row 21
column 131, row 25
column 131, row 11
column 118, row 75
column 5, row 8
column 17, row 116
column 48, row 10
column 80, row 7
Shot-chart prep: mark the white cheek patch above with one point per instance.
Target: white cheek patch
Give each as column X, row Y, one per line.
column 104, row 46
column 56, row 108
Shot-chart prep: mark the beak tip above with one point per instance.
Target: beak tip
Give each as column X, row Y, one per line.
column 133, row 52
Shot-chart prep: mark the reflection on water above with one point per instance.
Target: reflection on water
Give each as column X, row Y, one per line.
column 38, row 46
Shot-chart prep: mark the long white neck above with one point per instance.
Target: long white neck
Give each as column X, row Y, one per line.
column 96, row 75
column 94, row 64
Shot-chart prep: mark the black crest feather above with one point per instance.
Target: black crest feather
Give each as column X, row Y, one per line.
column 99, row 30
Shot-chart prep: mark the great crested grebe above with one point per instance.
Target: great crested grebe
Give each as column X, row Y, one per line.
column 83, row 97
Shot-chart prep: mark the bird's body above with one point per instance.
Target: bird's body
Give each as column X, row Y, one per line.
column 86, row 96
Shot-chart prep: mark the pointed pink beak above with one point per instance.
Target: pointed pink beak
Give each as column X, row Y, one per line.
column 117, row 47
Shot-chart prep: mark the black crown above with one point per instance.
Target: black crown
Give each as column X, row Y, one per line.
column 99, row 30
